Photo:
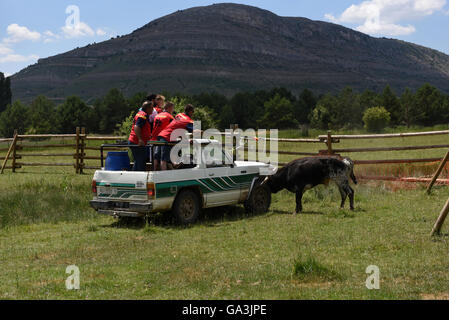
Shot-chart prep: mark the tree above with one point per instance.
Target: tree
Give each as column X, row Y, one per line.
column 391, row 103
column 368, row 99
column 5, row 92
column 213, row 101
column 226, row 117
column 206, row 116
column 247, row 109
column 347, row 110
column 111, row 110
column 73, row 113
column 278, row 114
column 320, row 117
column 376, row 119
column 14, row 117
column 304, row 106
column 410, row 113
column 430, row 105
column 42, row 117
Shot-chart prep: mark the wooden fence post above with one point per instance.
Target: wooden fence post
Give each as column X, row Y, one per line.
column 329, row 143
column 439, row 223
column 14, row 143
column 438, row 172
column 77, row 146
column 83, row 135
column 9, row 151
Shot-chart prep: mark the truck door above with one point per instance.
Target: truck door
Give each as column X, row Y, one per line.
column 221, row 189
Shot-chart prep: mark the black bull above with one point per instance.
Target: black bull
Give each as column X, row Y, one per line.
column 303, row 174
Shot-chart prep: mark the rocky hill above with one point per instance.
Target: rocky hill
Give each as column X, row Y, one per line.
column 228, row 48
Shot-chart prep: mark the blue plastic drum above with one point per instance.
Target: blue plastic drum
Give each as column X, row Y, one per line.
column 117, row 161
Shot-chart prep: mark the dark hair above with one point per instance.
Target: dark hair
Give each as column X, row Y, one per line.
column 188, row 108
column 151, row 97
column 168, row 105
column 147, row 102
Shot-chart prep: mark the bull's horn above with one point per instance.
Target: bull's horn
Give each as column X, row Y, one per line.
column 264, row 181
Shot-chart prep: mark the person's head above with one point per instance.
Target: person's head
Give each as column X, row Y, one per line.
column 189, row 110
column 169, row 107
column 151, row 97
column 160, row 100
column 147, row 106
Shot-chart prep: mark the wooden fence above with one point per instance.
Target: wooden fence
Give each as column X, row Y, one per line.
column 78, row 156
column 79, row 143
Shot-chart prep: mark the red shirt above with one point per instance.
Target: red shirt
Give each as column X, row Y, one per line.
column 161, row 121
column 182, row 121
column 159, row 110
column 146, row 129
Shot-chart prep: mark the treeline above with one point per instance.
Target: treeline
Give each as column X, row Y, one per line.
column 276, row 108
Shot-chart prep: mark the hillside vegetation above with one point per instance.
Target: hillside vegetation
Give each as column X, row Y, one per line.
column 230, row 48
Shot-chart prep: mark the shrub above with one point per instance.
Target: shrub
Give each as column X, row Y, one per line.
column 376, row 119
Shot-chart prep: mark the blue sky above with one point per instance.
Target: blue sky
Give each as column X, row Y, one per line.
column 37, row 29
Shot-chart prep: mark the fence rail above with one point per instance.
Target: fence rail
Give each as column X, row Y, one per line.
column 78, row 142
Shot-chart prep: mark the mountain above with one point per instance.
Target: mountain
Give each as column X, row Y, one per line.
column 229, row 48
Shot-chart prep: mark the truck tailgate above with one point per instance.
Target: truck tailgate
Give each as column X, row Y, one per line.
column 121, row 185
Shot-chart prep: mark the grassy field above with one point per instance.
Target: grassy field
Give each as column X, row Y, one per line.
column 46, row 225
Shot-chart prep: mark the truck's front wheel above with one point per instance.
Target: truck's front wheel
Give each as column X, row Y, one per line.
column 186, row 208
column 259, row 200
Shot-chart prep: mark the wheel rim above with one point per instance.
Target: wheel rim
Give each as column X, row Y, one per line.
column 188, row 208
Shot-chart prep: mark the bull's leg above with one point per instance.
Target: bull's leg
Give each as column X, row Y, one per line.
column 351, row 197
column 343, row 195
column 299, row 194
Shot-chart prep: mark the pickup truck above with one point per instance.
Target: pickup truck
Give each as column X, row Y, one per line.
column 211, row 183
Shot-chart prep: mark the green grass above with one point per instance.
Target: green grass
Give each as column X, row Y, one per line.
column 46, row 225
column 322, row 253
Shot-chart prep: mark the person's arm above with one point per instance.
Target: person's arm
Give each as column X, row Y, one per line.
column 189, row 128
column 138, row 130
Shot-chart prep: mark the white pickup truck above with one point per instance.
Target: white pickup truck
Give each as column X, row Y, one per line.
column 184, row 192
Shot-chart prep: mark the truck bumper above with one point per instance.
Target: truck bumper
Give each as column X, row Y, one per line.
column 121, row 209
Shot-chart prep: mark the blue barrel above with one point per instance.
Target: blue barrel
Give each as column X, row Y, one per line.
column 117, row 161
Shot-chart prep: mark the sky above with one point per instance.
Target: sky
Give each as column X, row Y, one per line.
column 30, row 30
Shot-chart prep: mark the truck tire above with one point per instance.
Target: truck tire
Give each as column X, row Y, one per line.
column 186, row 208
column 259, row 200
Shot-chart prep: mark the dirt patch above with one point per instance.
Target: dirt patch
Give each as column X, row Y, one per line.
column 435, row 296
column 312, row 285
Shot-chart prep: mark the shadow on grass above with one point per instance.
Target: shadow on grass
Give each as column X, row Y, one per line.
column 300, row 213
column 210, row 217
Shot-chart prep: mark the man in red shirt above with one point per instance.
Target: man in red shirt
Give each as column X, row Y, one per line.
column 182, row 121
column 161, row 121
column 140, row 135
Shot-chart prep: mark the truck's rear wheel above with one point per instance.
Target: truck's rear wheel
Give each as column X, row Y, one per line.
column 259, row 200
column 186, row 208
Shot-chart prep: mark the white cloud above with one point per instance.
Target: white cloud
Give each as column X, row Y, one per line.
column 101, row 32
column 50, row 36
column 18, row 33
column 80, row 29
column 18, row 58
column 4, row 50
column 383, row 17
